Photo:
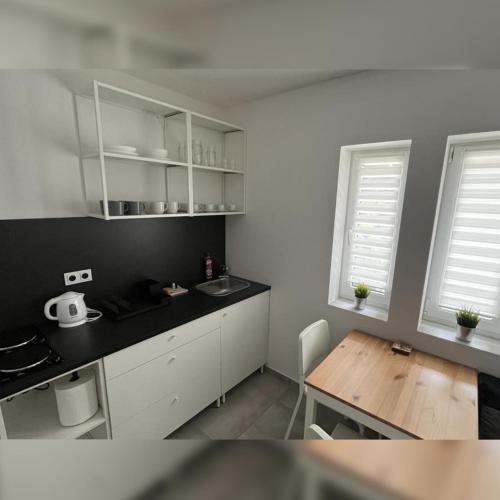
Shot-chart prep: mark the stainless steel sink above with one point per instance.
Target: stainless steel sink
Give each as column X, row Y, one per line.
column 222, row 286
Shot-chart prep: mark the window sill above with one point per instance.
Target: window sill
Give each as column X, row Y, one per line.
column 447, row 333
column 369, row 310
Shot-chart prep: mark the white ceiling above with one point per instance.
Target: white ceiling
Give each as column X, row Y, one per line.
column 227, row 88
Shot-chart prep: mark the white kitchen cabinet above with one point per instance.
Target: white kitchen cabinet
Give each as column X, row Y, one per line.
column 157, row 385
column 157, row 397
column 244, row 339
column 148, row 390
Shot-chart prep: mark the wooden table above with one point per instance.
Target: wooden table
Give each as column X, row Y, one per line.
column 401, row 397
column 444, row 470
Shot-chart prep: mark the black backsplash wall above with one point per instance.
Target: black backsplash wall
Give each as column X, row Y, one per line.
column 35, row 253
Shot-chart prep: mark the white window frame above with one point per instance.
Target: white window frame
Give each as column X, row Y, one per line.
column 433, row 319
column 340, row 294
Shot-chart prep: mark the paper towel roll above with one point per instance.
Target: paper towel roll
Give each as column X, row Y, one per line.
column 76, row 397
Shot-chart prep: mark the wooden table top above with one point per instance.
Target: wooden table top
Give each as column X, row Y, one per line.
column 444, row 470
column 423, row 395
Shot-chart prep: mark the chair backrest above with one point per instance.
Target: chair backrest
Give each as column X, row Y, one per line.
column 314, row 345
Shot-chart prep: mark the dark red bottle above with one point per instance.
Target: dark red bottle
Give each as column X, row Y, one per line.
column 209, row 273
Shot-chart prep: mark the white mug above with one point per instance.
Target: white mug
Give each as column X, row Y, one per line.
column 232, row 207
column 173, row 207
column 221, row 207
column 210, row 207
column 157, row 207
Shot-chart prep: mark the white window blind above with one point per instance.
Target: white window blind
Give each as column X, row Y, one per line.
column 472, row 271
column 465, row 266
column 372, row 224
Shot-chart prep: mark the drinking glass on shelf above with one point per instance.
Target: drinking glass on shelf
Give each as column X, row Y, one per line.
column 232, row 165
column 197, row 152
column 181, row 151
column 224, row 162
column 213, row 158
column 208, row 156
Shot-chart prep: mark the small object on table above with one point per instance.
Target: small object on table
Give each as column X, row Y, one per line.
column 402, row 348
column 174, row 290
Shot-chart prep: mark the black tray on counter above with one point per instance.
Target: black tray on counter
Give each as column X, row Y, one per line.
column 119, row 308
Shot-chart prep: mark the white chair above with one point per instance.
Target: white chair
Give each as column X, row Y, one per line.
column 341, row 431
column 314, row 346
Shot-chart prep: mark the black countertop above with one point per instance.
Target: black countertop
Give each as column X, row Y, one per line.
column 84, row 344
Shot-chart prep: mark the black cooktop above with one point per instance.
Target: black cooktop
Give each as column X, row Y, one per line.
column 23, row 351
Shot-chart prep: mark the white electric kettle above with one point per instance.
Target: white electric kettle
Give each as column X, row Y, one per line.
column 70, row 309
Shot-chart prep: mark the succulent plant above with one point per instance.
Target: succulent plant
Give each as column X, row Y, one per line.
column 467, row 317
column 361, row 291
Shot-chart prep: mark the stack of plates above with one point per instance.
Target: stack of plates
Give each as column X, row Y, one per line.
column 123, row 150
column 159, row 153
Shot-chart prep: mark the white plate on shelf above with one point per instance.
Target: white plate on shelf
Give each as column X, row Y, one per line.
column 124, row 150
column 120, row 153
column 157, row 153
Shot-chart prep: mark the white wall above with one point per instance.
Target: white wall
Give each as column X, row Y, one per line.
column 39, row 166
column 294, row 141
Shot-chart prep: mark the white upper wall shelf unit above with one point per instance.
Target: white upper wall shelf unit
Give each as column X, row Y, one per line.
column 121, row 97
column 202, row 173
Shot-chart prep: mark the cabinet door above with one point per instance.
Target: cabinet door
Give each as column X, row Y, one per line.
column 244, row 339
column 190, row 382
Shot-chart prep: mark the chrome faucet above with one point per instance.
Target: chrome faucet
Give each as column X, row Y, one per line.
column 225, row 271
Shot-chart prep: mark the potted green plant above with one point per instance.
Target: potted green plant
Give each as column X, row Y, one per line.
column 361, row 292
column 467, row 320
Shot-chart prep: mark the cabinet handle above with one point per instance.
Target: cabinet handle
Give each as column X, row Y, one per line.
column 224, row 315
column 171, row 359
column 172, row 337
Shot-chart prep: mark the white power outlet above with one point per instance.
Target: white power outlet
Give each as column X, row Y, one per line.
column 75, row 277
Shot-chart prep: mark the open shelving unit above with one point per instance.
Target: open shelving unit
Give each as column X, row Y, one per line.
column 32, row 414
column 113, row 116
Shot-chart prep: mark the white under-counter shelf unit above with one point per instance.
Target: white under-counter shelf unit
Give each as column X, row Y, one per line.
column 113, row 116
column 32, row 413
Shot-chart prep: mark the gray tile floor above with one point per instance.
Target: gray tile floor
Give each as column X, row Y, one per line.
column 258, row 408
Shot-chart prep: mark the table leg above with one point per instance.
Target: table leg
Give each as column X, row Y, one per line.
column 311, row 407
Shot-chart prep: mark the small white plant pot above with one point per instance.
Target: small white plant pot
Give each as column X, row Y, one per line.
column 464, row 333
column 359, row 304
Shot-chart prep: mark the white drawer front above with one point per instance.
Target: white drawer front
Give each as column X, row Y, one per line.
column 155, row 423
column 190, row 331
column 138, row 354
column 136, row 389
column 196, row 385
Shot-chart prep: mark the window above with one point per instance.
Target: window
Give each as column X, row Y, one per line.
column 464, row 267
column 367, row 217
